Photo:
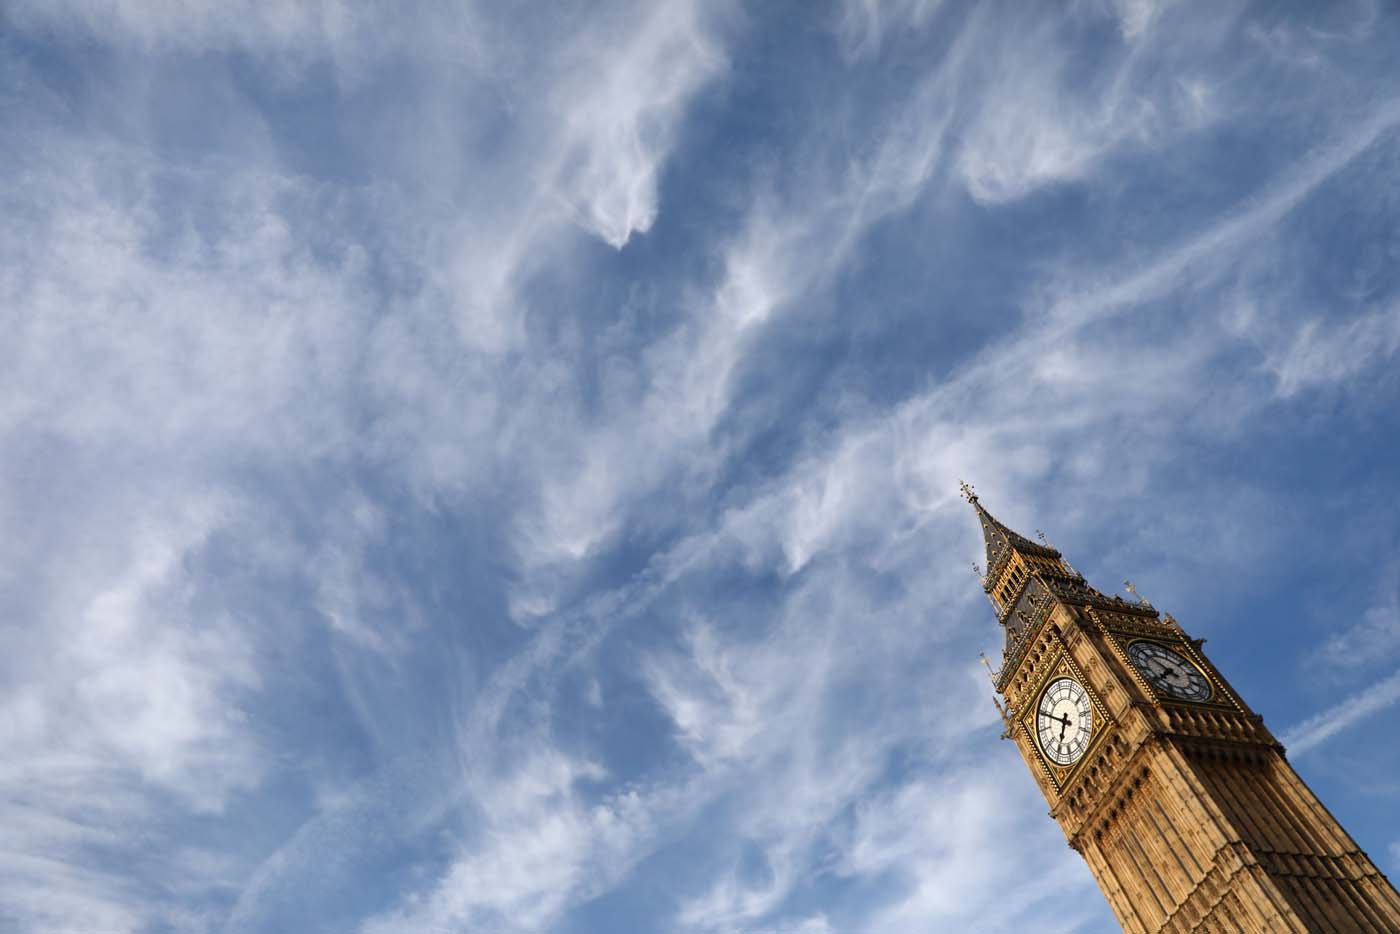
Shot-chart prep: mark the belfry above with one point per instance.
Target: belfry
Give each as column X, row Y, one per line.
column 1176, row 794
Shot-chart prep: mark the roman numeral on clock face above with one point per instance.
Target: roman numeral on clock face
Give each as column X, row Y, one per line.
column 1064, row 721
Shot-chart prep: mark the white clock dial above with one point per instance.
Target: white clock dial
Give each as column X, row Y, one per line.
column 1169, row 672
column 1064, row 721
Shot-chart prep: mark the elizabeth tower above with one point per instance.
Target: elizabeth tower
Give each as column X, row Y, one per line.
column 1172, row 789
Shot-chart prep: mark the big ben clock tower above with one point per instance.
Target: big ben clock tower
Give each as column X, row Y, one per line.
column 1172, row 789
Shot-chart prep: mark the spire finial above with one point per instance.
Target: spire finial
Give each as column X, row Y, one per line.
column 1134, row 591
column 968, row 492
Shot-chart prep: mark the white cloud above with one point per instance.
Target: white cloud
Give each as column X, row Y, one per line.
column 1034, row 124
column 1326, row 351
column 126, row 701
column 153, row 357
column 863, row 24
column 153, row 696
column 51, row 895
column 945, row 839
column 158, row 358
column 817, row 924
column 352, row 595
column 735, row 705
column 786, row 739
column 745, row 711
column 757, row 716
column 1232, row 235
column 1316, row 730
column 1309, row 44
column 1377, row 637
column 542, row 848
column 288, row 35
column 682, row 388
column 1031, row 135
column 1135, row 17
column 137, row 684
column 179, row 353
column 659, row 423
column 620, row 112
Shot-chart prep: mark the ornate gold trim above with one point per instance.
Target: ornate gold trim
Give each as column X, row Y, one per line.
column 1221, row 697
column 1061, row 665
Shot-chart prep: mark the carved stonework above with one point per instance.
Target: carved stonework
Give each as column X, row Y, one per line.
column 1060, row 664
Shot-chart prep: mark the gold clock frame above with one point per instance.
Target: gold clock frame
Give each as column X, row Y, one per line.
column 1062, row 665
column 1221, row 697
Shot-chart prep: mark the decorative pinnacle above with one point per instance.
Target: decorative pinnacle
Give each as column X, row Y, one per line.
column 1007, row 713
column 1133, row 590
column 1043, row 540
column 968, row 492
column 992, row 673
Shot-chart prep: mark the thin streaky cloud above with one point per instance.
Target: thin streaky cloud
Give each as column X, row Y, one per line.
column 1302, row 738
column 488, row 468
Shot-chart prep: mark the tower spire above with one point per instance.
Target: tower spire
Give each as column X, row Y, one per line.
column 1024, row 578
column 1001, row 541
column 1177, row 796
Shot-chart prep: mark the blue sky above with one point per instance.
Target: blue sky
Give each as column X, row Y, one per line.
column 477, row 467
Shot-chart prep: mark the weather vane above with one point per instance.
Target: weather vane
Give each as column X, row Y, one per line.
column 1134, row 591
column 967, row 491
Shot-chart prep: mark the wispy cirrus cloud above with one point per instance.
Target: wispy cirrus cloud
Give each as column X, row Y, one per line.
column 497, row 470
column 863, row 24
column 1327, row 352
column 1303, row 737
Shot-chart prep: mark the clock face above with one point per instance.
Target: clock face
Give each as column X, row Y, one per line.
column 1169, row 672
column 1063, row 721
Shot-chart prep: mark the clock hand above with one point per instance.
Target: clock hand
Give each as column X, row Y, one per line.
column 1167, row 670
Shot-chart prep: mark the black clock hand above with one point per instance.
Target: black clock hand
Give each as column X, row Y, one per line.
column 1063, row 720
column 1167, row 670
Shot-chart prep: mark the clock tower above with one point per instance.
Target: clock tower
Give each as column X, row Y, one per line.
column 1174, row 792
